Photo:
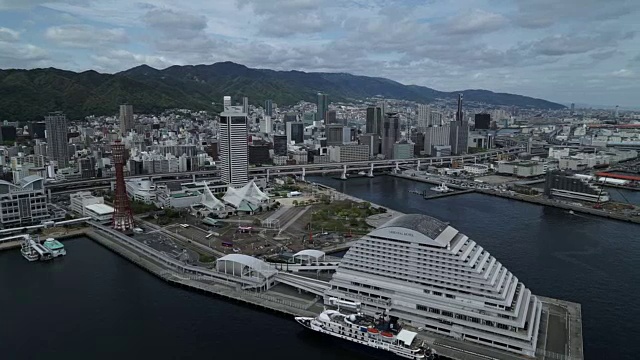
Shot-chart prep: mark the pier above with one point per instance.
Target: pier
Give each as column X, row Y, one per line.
column 452, row 193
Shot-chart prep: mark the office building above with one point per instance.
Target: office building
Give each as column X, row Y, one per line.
column 436, row 119
column 390, row 134
column 259, row 155
column 280, row 145
column 482, row 121
column 268, row 107
column 245, row 105
column 568, row 185
column 266, row 125
column 418, row 144
column 295, row 132
column 80, row 200
column 424, row 114
column 323, row 106
column 573, row 108
column 403, row 150
column 234, row 153
column 335, row 134
column 332, row 118
column 7, row 133
column 57, row 149
column 374, row 120
column 37, row 130
column 290, row 117
column 372, row 141
column 126, row 118
column 24, row 203
column 440, row 150
column 346, row 153
column 87, row 167
column 436, row 136
column 308, row 118
column 226, row 102
column 521, row 168
column 424, row 272
column 459, row 137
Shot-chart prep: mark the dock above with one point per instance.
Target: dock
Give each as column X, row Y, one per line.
column 451, row 193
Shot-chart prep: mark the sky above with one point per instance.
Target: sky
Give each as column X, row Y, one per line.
column 582, row 51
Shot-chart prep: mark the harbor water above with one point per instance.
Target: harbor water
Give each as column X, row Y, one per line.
column 94, row 304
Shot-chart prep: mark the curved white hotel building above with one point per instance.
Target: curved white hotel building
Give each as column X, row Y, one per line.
column 431, row 276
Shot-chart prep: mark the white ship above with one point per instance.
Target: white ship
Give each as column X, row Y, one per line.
column 55, row 247
column 442, row 188
column 381, row 334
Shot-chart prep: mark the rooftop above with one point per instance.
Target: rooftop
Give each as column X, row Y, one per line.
column 417, row 228
column 100, row 209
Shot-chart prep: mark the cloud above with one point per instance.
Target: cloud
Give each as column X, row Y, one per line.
column 85, row 36
column 559, row 45
column 16, row 55
column 171, row 20
column 474, row 22
column 545, row 13
column 624, row 74
column 8, row 35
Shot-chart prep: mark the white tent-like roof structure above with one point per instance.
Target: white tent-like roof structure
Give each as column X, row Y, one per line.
column 249, row 194
column 210, row 201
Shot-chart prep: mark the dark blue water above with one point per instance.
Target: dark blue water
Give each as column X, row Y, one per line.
column 579, row 258
column 93, row 304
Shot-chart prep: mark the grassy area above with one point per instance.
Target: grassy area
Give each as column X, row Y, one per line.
column 206, row 258
column 139, row 207
column 343, row 216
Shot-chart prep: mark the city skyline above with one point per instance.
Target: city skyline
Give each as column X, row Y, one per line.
column 565, row 52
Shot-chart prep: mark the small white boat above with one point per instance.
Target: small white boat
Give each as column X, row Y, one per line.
column 442, row 188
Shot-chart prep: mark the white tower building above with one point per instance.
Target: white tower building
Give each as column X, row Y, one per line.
column 234, row 157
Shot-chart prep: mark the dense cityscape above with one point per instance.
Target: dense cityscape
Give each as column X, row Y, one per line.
column 319, row 179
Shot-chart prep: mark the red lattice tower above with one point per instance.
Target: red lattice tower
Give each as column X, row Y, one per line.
column 122, row 215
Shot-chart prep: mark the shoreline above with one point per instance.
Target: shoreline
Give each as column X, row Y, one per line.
column 533, row 200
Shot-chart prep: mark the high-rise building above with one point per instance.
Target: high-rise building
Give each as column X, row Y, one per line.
column 234, row 156
column 57, row 141
column 126, row 118
column 309, row 118
column 374, row 120
column 259, row 155
column 482, row 121
column 372, row 141
column 459, row 113
column 418, row 141
column 295, row 132
column 436, row 136
column 268, row 107
column 266, row 126
column 390, row 134
column 323, row 106
column 403, row 150
column 573, row 108
column 24, row 203
column 459, row 137
column 226, row 102
column 7, row 133
column 280, row 145
column 436, row 119
column 334, row 134
column 332, row 117
column 245, row 105
column 424, row 113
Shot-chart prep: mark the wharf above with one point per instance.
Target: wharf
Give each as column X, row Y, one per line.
column 270, row 300
column 452, row 193
column 60, row 235
column 428, row 181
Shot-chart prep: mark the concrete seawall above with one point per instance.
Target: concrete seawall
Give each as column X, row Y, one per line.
column 270, row 302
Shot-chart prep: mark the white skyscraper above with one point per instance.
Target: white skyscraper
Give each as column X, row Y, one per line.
column 226, row 102
column 234, row 157
column 424, row 112
column 266, row 125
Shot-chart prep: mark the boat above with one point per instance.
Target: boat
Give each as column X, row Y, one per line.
column 55, row 247
column 378, row 334
column 442, row 188
column 28, row 252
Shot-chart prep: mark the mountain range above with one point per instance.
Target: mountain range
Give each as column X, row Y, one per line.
column 27, row 95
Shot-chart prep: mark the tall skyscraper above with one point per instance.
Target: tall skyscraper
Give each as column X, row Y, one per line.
column 459, row 114
column 245, row 105
column 226, row 101
column 323, row 106
column 268, row 107
column 126, row 118
column 424, row 114
column 290, row 117
column 436, row 119
column 436, row 136
column 266, row 126
column 573, row 108
column 390, row 134
column 234, row 156
column 459, row 139
column 57, row 140
column 334, row 134
column 374, row 120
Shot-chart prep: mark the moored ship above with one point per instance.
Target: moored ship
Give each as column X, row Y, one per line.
column 55, row 247
column 383, row 333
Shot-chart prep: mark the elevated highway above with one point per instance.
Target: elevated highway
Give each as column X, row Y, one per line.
column 300, row 170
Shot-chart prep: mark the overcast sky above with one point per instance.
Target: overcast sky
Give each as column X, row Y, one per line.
column 582, row 51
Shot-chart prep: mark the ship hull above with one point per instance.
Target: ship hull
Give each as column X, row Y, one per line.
column 355, row 344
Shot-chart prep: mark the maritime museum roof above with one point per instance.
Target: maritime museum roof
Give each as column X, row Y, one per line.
column 416, row 227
